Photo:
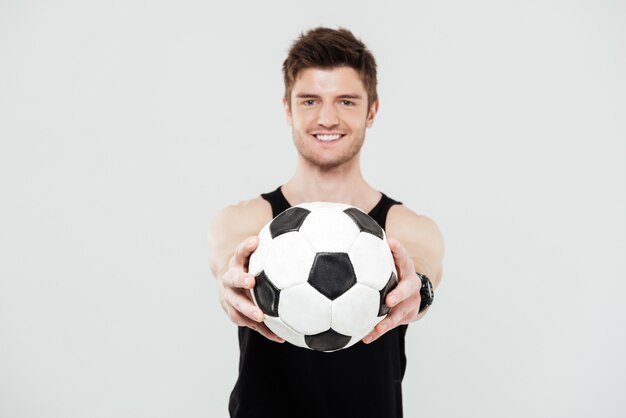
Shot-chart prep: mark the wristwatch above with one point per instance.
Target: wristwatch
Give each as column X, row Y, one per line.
column 426, row 292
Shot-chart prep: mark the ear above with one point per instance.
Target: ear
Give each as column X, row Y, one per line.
column 287, row 111
column 372, row 114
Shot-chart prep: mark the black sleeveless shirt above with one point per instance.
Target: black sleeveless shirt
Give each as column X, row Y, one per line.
column 282, row 380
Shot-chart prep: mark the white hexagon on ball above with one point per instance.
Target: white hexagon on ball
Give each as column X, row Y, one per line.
column 355, row 312
column 329, row 230
column 278, row 327
column 288, row 260
column 304, row 309
column 370, row 258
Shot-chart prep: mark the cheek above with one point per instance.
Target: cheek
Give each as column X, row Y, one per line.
column 303, row 120
column 355, row 118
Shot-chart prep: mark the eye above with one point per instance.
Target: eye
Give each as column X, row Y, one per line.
column 347, row 102
column 309, row 102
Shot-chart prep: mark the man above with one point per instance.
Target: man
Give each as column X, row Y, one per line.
column 330, row 99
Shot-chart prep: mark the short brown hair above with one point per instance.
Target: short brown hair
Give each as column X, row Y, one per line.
column 330, row 48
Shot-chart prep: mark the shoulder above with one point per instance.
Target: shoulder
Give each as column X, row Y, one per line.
column 236, row 222
column 246, row 217
column 414, row 230
column 231, row 226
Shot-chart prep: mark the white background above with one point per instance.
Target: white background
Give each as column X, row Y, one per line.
column 126, row 125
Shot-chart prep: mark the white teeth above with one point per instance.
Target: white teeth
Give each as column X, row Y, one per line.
column 328, row 137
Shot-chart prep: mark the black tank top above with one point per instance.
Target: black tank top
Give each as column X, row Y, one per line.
column 282, row 380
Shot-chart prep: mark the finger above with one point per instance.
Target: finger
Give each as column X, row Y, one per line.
column 267, row 333
column 244, row 249
column 401, row 258
column 390, row 322
column 407, row 287
column 245, row 306
column 408, row 282
column 241, row 280
column 261, row 328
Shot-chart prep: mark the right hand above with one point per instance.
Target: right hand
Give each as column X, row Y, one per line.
column 234, row 291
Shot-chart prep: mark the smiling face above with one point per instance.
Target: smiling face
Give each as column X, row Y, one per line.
column 328, row 114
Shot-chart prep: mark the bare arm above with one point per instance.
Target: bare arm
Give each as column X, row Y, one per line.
column 417, row 246
column 232, row 238
column 422, row 240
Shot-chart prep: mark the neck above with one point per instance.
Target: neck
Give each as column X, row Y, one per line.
column 343, row 184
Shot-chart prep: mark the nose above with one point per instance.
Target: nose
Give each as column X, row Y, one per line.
column 328, row 116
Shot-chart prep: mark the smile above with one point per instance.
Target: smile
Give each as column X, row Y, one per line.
column 328, row 137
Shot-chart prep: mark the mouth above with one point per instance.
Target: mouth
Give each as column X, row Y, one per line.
column 328, row 137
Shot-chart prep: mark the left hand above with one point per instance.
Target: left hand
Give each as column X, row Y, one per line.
column 405, row 299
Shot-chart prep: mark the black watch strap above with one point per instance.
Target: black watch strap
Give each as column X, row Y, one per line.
column 426, row 292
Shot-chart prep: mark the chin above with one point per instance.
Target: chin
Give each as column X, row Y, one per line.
column 327, row 164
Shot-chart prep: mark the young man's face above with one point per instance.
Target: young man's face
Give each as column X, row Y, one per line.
column 329, row 115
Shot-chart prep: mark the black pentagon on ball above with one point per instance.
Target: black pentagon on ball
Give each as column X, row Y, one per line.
column 391, row 284
column 327, row 340
column 364, row 222
column 266, row 294
column 288, row 221
column 332, row 274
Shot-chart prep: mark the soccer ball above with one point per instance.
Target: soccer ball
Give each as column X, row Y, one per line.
column 322, row 273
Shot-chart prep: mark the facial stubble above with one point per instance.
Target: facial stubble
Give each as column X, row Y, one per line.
column 310, row 156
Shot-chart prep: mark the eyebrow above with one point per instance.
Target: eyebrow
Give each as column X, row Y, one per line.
column 316, row 96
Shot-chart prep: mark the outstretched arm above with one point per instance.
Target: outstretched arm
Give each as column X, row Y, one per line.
column 232, row 239
column 417, row 246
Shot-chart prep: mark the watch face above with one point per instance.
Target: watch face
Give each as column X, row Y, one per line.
column 426, row 292
column 429, row 287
